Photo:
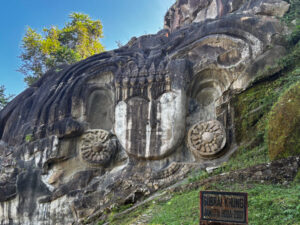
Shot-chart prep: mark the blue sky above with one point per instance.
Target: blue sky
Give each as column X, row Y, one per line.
column 121, row 19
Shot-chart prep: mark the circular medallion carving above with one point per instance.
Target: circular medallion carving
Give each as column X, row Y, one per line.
column 206, row 139
column 96, row 147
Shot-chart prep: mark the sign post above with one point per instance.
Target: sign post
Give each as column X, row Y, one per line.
column 223, row 208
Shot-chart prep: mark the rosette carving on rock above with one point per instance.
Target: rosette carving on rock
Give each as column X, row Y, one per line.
column 206, row 139
column 96, row 147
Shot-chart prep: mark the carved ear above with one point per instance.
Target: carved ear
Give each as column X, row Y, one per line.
column 100, row 111
column 205, row 89
column 95, row 104
column 206, row 139
column 96, row 148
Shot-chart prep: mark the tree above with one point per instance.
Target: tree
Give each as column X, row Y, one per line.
column 3, row 98
column 79, row 39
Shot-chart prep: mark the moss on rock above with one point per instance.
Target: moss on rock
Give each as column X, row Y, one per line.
column 251, row 108
column 284, row 124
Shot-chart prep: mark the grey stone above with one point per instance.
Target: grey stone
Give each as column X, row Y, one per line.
column 183, row 13
column 113, row 128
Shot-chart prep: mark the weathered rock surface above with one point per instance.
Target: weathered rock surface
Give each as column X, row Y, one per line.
column 282, row 171
column 185, row 12
column 118, row 126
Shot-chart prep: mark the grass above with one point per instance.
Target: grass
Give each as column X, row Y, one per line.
column 268, row 204
column 181, row 209
column 130, row 217
column 241, row 159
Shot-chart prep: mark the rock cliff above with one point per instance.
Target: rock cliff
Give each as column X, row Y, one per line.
column 122, row 124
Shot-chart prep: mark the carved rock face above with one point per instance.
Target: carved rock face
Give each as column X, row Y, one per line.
column 150, row 127
column 96, row 148
column 146, row 93
column 206, row 139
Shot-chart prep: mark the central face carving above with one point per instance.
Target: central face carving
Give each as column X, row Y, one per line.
column 151, row 125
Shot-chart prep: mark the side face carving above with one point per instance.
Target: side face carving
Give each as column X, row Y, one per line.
column 150, row 124
column 96, row 148
column 206, row 139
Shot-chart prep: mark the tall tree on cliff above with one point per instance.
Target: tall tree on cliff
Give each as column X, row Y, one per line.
column 79, row 39
column 4, row 99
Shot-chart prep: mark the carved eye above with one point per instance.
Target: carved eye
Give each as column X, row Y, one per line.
column 167, row 97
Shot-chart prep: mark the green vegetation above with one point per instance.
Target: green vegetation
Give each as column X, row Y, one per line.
column 267, row 116
column 78, row 40
column 131, row 217
column 253, row 106
column 28, row 138
column 284, row 124
column 4, row 99
column 181, row 209
column 294, row 12
column 241, row 159
column 268, row 204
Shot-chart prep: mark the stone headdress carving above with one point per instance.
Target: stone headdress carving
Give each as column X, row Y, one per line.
column 147, row 83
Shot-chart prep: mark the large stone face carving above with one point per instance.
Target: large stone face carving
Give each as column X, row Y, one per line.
column 119, row 125
column 150, row 116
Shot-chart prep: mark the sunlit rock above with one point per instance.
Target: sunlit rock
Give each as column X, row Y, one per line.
column 122, row 124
